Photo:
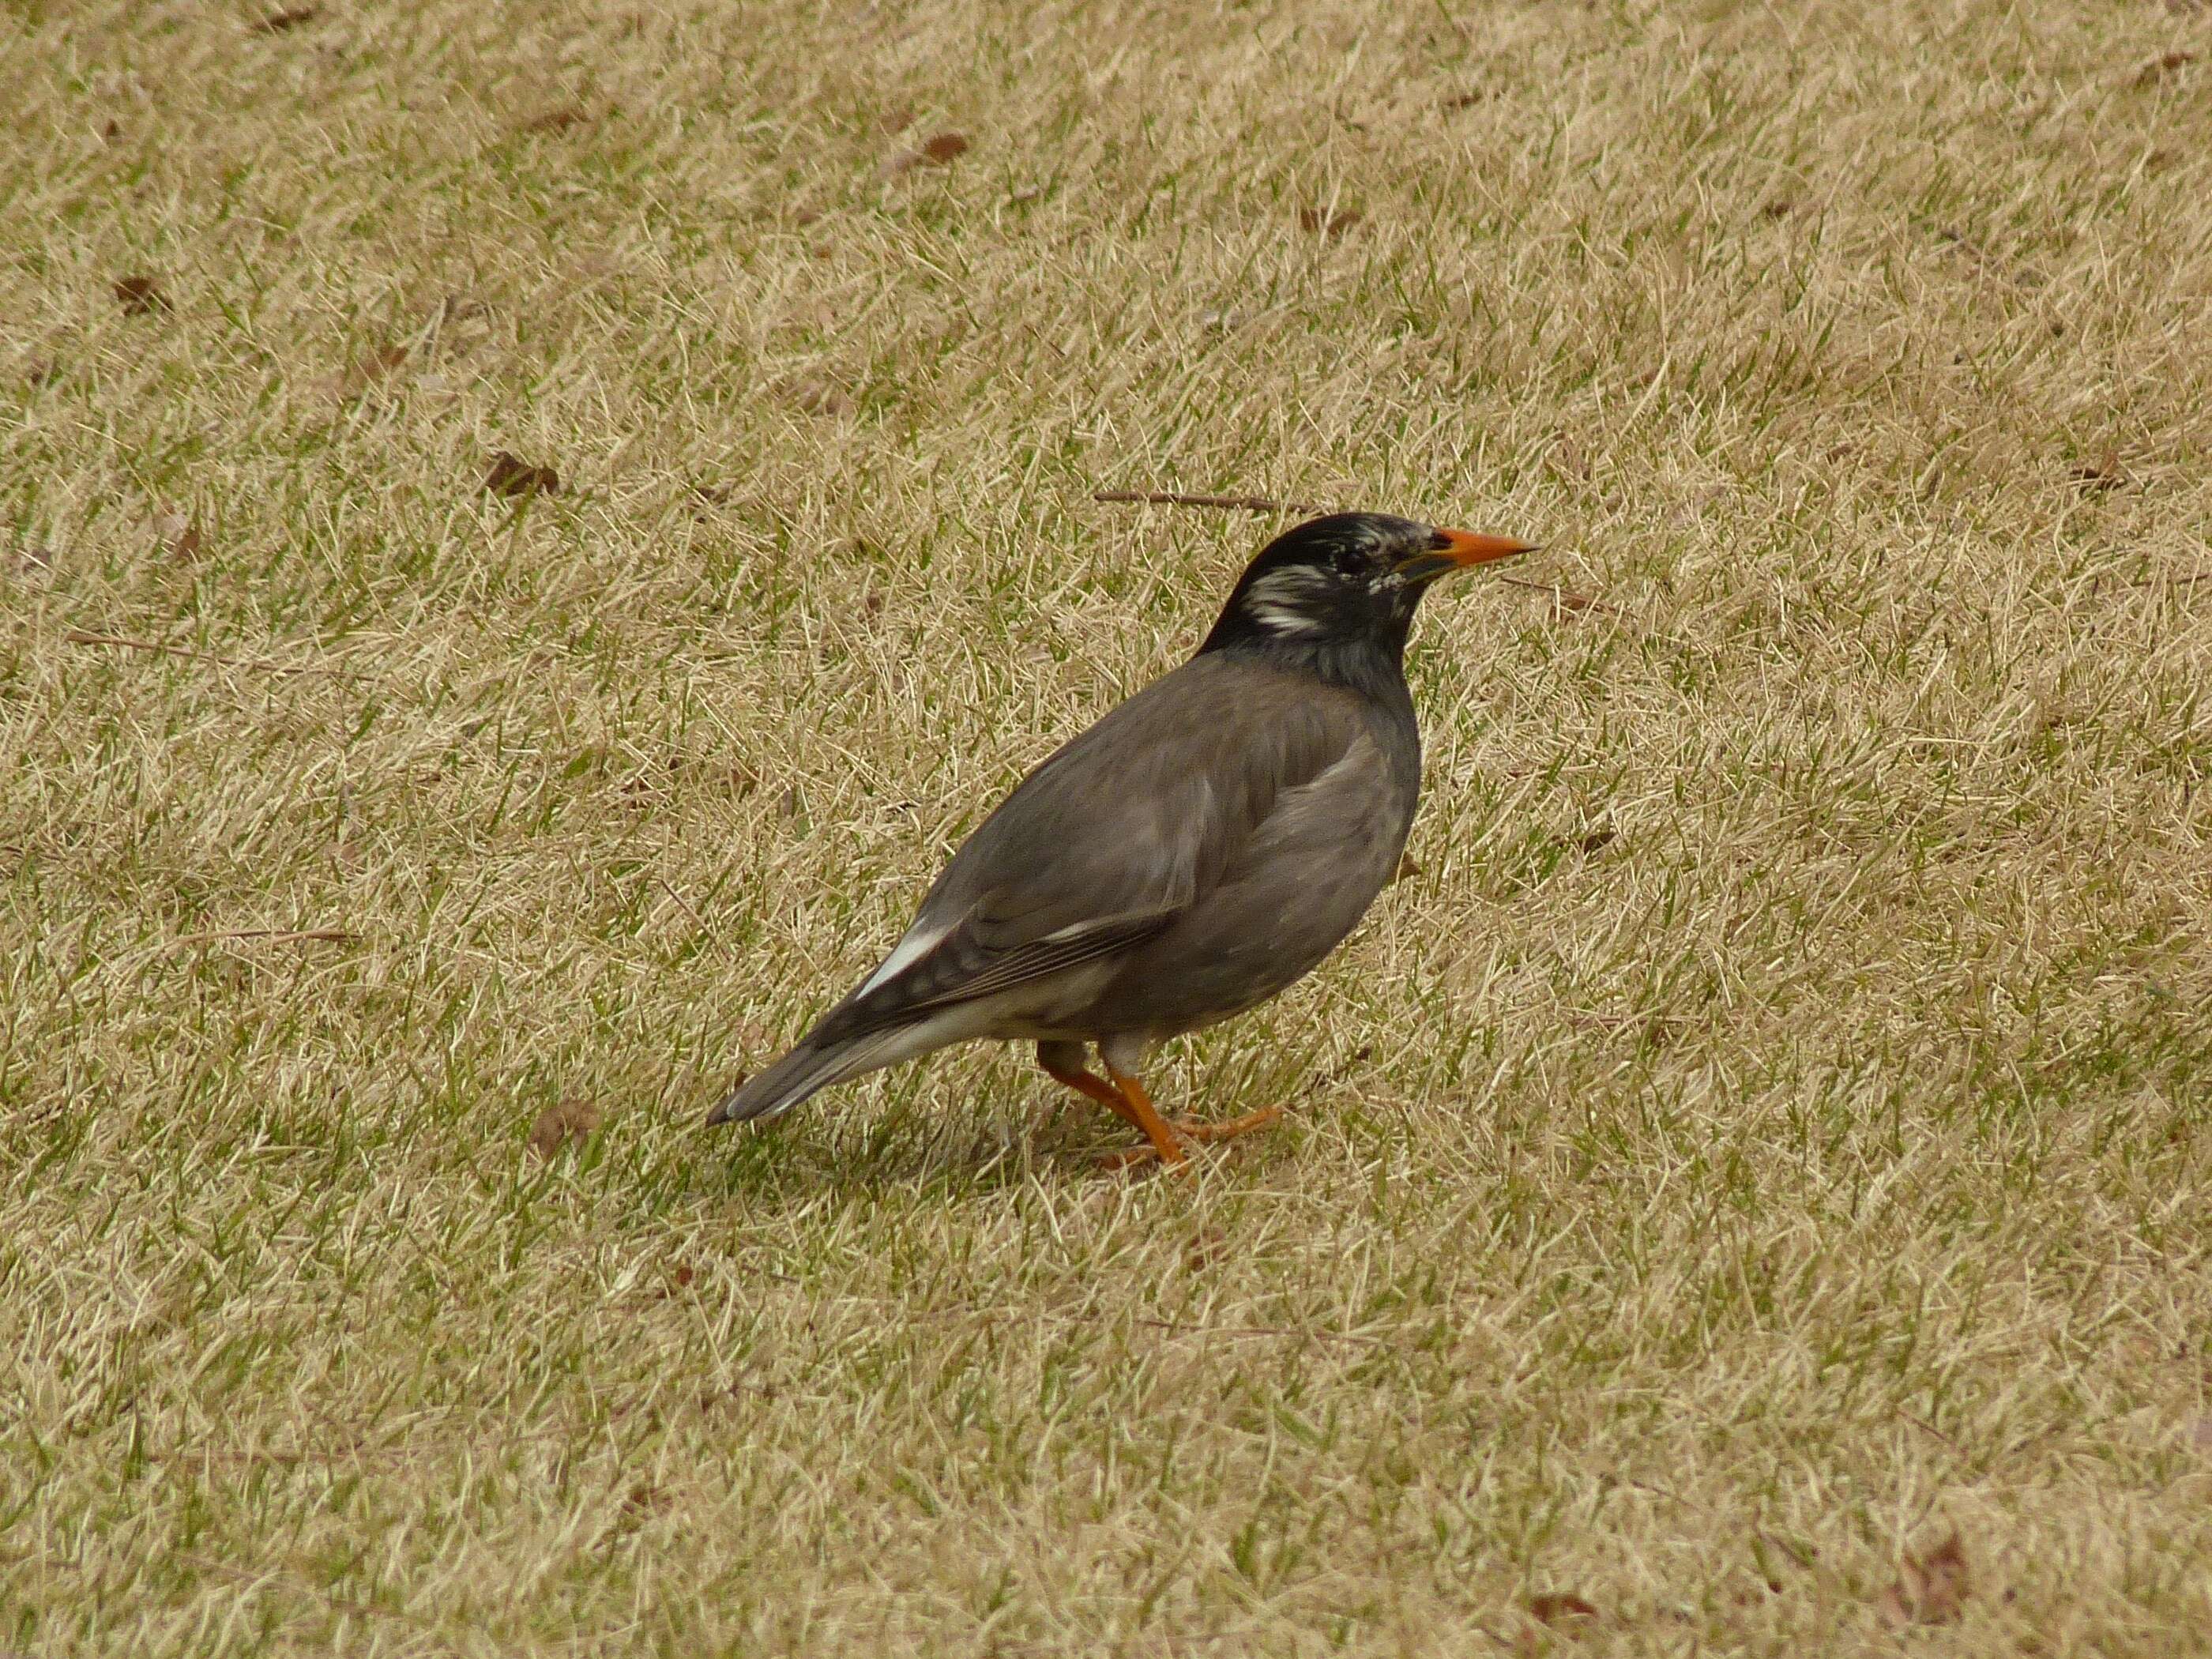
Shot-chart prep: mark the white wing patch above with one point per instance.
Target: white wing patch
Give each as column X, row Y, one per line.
column 918, row 943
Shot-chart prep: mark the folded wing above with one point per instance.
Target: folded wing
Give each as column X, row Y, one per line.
column 1110, row 840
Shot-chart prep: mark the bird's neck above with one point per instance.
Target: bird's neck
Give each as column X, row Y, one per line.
column 1374, row 668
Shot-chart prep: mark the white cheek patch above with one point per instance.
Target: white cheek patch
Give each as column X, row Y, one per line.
column 1284, row 602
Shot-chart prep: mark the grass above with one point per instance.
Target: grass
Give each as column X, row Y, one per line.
column 1766, row 1138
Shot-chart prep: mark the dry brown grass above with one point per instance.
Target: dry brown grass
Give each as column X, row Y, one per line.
column 1768, row 1136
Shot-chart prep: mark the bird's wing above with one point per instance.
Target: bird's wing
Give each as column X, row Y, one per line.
column 1112, row 838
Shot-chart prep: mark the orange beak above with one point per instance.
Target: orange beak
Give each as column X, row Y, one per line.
column 1466, row 550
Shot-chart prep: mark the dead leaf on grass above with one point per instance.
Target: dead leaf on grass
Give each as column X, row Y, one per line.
column 556, row 120
column 510, row 476
column 1467, row 99
column 2103, row 473
column 1931, row 1588
column 279, row 22
column 1553, row 1606
column 573, row 1119
column 1407, row 865
column 817, row 396
column 2159, row 68
column 940, row 149
column 362, row 373
column 1596, row 840
column 141, row 296
column 1327, row 222
column 181, row 536
column 642, row 1502
column 1206, row 1247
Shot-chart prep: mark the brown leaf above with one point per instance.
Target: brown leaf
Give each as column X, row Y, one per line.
column 180, row 535
column 1328, row 221
column 511, row 477
column 938, row 151
column 1560, row 1607
column 1407, row 865
column 1206, row 1247
column 1780, row 208
column 2159, row 68
column 817, row 396
column 362, row 373
column 555, row 120
column 572, row 1119
column 1597, row 839
column 140, row 295
column 278, row 22
column 2101, row 474
column 1931, row 1589
column 1467, row 99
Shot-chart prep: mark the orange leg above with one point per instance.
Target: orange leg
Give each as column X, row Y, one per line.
column 1147, row 1116
column 1096, row 1088
column 1125, row 1099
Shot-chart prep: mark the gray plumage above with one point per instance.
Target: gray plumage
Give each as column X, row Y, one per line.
column 1192, row 854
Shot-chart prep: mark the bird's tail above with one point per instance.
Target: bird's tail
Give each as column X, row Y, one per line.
column 811, row 1066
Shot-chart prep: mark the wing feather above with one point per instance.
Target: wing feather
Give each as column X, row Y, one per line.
column 1111, row 839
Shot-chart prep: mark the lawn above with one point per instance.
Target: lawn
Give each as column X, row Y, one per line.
column 528, row 532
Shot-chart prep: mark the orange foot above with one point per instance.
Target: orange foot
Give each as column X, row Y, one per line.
column 1200, row 1133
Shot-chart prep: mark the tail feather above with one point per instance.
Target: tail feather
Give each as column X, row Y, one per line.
column 809, row 1067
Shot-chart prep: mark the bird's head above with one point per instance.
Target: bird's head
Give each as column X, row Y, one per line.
column 1349, row 579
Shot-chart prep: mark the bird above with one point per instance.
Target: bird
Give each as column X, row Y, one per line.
column 1195, row 852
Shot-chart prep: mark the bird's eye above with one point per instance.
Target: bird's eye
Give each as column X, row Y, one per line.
column 1347, row 561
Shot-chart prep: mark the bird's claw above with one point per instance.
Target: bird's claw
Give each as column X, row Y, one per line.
column 1194, row 1134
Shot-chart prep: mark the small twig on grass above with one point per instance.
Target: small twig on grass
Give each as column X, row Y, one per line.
column 1570, row 600
column 78, row 637
column 1169, row 498
column 273, row 935
column 685, row 903
column 1926, row 1427
column 2177, row 581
